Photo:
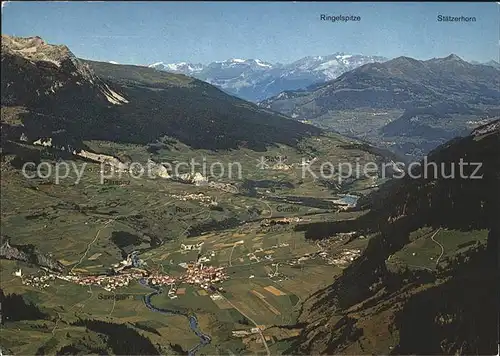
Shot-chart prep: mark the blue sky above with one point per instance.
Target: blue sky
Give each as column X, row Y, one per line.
column 147, row 32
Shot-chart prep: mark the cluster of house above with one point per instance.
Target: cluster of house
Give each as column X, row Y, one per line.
column 281, row 221
column 204, row 276
column 108, row 283
column 196, row 247
column 195, row 274
column 157, row 279
column 344, row 258
column 243, row 333
column 253, row 335
column 35, row 281
column 225, row 187
column 340, row 259
column 268, row 254
column 252, row 257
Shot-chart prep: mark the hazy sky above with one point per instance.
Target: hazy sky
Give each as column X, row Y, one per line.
column 147, row 32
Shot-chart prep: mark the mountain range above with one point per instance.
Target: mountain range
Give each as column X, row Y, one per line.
column 255, row 80
column 407, row 104
column 48, row 92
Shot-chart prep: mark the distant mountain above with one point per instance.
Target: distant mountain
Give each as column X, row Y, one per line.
column 254, row 79
column 407, row 104
column 183, row 67
column 48, row 92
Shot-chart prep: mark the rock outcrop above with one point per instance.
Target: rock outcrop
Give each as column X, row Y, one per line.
column 28, row 254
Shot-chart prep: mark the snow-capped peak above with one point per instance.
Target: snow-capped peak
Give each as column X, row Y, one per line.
column 242, row 63
column 154, row 65
column 181, row 67
column 259, row 79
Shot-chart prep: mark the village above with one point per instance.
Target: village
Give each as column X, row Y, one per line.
column 197, row 273
column 129, row 271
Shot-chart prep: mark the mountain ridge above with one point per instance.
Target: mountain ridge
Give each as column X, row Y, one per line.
column 255, row 79
column 442, row 95
column 78, row 99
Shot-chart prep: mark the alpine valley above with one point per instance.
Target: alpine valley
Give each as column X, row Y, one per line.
column 255, row 80
column 265, row 257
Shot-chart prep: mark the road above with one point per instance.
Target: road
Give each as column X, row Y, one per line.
column 232, row 250
column 231, row 255
column 90, row 244
column 442, row 247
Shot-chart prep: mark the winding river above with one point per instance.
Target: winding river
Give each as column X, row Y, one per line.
column 193, row 321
